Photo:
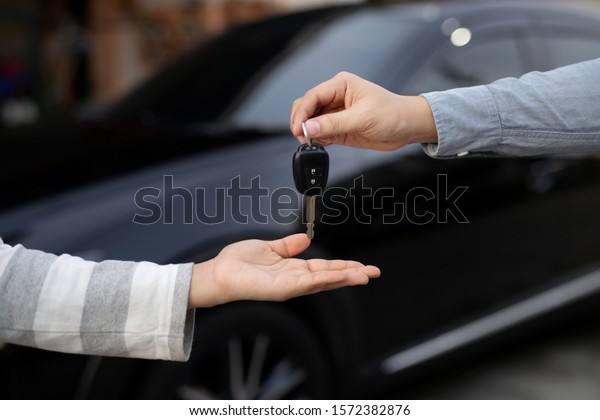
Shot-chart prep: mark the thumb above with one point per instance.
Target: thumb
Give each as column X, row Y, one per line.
column 290, row 245
column 332, row 125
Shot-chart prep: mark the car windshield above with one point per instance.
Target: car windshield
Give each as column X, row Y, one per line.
column 346, row 44
column 249, row 78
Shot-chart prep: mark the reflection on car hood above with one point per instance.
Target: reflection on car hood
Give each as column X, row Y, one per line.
column 53, row 157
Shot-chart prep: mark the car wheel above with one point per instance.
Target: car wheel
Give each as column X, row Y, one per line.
column 246, row 351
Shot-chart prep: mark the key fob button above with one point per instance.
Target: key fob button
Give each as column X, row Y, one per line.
column 314, row 182
column 313, row 172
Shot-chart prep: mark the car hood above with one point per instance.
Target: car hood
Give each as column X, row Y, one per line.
column 55, row 156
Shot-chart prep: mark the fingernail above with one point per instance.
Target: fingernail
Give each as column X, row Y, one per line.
column 313, row 128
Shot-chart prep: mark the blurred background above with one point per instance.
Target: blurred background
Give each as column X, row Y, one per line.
column 536, row 218
column 57, row 55
column 60, row 54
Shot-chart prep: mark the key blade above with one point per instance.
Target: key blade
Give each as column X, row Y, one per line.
column 311, row 201
column 310, row 231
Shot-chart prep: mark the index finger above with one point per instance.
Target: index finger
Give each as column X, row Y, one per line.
column 330, row 93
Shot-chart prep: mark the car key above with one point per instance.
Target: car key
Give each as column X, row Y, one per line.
column 310, row 166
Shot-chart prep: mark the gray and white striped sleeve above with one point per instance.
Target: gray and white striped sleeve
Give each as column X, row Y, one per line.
column 113, row 308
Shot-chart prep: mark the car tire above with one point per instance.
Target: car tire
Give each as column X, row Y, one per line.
column 246, row 351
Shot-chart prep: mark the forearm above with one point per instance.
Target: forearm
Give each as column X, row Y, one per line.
column 63, row 303
column 537, row 114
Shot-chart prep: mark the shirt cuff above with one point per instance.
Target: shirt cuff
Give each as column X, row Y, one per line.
column 182, row 323
column 159, row 324
column 467, row 122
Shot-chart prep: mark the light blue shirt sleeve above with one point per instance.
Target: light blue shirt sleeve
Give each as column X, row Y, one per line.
column 539, row 113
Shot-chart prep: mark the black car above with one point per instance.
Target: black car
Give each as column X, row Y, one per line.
column 475, row 253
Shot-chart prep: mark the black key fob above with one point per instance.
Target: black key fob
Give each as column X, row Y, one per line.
column 310, row 165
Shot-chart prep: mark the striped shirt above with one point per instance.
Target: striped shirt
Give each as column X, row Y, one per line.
column 112, row 308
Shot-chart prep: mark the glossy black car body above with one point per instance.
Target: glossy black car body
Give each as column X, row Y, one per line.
column 474, row 252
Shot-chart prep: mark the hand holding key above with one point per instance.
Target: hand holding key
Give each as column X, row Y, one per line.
column 354, row 112
column 310, row 166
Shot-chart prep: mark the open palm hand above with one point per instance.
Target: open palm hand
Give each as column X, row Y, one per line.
column 265, row 270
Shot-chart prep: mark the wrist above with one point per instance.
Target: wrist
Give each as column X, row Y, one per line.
column 428, row 129
column 420, row 121
column 204, row 292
